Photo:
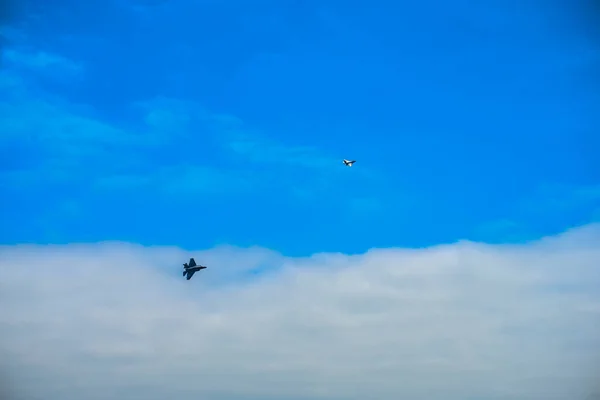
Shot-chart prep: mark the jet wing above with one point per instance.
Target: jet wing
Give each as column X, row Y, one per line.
column 190, row 274
column 192, row 262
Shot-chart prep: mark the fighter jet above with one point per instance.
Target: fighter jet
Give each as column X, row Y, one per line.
column 191, row 269
column 349, row 163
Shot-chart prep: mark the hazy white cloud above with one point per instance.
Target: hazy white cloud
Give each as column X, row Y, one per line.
column 460, row 321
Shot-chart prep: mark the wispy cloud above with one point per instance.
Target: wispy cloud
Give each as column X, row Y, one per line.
column 41, row 60
column 171, row 117
column 39, row 63
column 181, row 180
column 560, row 197
column 48, row 140
column 257, row 148
column 545, row 204
column 307, row 170
column 250, row 145
column 172, row 146
column 459, row 321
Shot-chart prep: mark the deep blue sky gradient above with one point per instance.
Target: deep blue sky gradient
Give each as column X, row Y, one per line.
column 195, row 123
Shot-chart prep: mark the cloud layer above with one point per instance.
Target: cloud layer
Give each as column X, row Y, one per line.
column 460, row 321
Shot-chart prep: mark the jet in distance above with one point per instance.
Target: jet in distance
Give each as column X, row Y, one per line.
column 191, row 269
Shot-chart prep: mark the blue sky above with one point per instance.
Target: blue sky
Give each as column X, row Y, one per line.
column 201, row 123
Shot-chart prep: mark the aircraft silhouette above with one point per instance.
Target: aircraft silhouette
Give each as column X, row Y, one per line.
column 191, row 269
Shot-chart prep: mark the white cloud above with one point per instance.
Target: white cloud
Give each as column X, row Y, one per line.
column 460, row 321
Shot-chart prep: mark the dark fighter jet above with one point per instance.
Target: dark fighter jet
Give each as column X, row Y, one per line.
column 191, row 269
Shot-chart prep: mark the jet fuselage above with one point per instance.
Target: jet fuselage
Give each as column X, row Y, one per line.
column 195, row 269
